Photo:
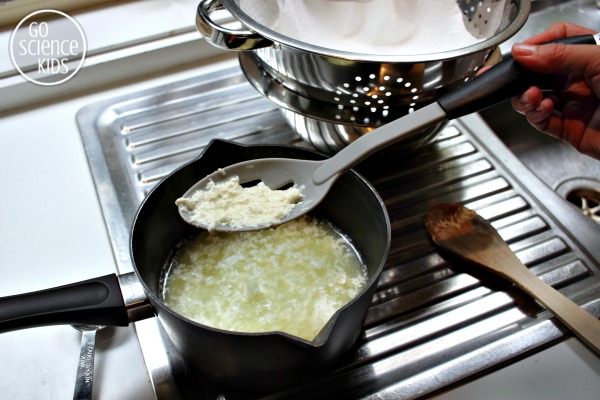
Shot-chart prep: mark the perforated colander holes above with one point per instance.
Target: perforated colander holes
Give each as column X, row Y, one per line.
column 365, row 93
column 472, row 73
column 477, row 14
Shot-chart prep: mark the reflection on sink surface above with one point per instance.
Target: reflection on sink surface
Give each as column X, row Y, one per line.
column 546, row 12
column 574, row 176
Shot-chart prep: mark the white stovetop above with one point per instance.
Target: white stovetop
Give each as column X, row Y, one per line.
column 52, row 232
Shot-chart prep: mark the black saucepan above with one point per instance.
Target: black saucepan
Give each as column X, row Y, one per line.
column 256, row 361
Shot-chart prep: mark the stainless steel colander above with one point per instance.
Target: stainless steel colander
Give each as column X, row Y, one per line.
column 331, row 96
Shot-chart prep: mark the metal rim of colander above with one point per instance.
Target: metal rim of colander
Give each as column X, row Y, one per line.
column 520, row 17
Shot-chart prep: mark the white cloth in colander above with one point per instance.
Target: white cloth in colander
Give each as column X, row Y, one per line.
column 379, row 27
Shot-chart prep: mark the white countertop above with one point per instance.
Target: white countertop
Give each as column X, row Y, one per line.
column 51, row 228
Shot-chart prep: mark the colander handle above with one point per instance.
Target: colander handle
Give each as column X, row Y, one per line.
column 222, row 37
column 504, row 80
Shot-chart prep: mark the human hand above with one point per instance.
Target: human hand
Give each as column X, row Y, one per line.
column 571, row 113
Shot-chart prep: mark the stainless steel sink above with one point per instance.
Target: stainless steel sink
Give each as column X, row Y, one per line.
column 545, row 12
column 575, row 177
column 572, row 175
column 432, row 324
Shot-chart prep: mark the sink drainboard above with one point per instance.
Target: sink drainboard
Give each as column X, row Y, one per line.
column 432, row 323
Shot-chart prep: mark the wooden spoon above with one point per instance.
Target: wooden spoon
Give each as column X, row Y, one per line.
column 464, row 233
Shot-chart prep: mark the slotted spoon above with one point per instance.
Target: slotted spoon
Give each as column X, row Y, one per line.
column 315, row 178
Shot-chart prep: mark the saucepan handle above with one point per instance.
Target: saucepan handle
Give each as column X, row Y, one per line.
column 226, row 38
column 504, row 80
column 97, row 301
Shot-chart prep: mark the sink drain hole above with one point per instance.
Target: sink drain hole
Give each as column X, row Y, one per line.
column 588, row 201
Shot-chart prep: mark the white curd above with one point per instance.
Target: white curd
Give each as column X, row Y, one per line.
column 229, row 203
column 290, row 279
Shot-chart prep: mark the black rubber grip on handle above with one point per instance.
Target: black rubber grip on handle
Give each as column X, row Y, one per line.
column 503, row 81
column 96, row 301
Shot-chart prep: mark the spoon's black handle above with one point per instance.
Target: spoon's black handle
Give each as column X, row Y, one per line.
column 504, row 80
column 97, row 301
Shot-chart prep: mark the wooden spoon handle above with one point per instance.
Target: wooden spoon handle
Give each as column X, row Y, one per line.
column 464, row 233
column 583, row 324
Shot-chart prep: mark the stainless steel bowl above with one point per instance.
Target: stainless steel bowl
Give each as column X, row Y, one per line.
column 353, row 93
